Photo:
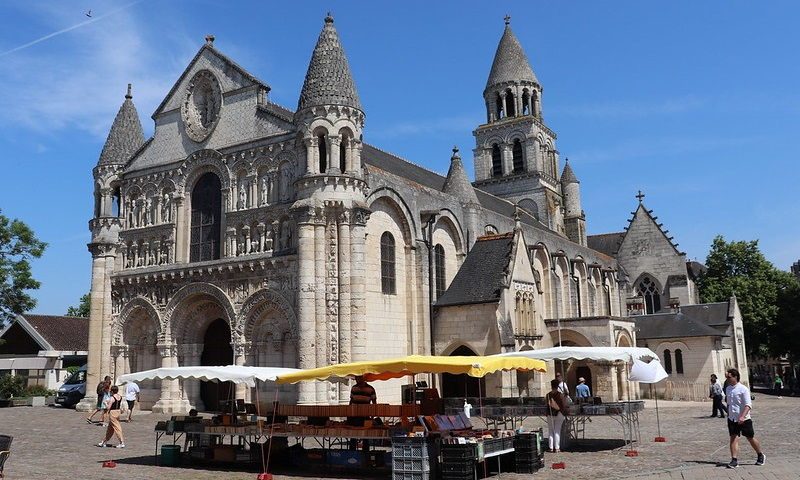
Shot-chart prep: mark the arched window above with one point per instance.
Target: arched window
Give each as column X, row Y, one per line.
column 516, row 155
column 343, row 144
column 529, row 206
column 206, row 219
column 388, row 285
column 322, row 143
column 526, row 102
column 497, row 161
column 667, row 361
column 652, row 297
column 438, row 267
column 115, row 202
column 499, row 106
column 511, row 108
column 678, row 361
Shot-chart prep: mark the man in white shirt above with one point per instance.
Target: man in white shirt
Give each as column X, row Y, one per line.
column 563, row 388
column 739, row 422
column 131, row 396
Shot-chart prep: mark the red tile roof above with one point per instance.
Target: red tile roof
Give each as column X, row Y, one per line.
column 62, row 333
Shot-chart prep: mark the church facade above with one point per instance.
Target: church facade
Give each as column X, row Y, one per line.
column 243, row 232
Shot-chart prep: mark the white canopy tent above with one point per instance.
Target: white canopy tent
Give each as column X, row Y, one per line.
column 228, row 373
column 611, row 354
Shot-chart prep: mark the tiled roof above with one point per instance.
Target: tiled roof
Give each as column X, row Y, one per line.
column 481, row 277
column 328, row 80
column 711, row 314
column 689, row 322
column 457, row 184
column 568, row 176
column 695, row 269
column 607, row 243
column 62, row 333
column 510, row 62
column 125, row 136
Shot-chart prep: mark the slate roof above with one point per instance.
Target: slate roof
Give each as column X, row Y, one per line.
column 457, row 183
column 711, row 314
column 510, row 62
column 328, row 80
column 689, row 322
column 481, row 277
column 125, row 136
column 607, row 243
column 568, row 176
column 695, row 269
column 62, row 333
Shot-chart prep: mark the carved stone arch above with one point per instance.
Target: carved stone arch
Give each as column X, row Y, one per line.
column 449, row 221
column 573, row 338
column 199, row 163
column 150, row 189
column 623, row 337
column 263, row 164
column 458, row 344
column 516, row 135
column 259, row 302
column 321, row 126
column 130, row 308
column 490, row 229
column 192, row 290
column 494, row 139
column 132, row 191
column 393, row 199
column 240, row 165
column 166, row 185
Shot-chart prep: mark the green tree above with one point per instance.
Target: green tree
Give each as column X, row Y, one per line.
column 786, row 331
column 739, row 267
column 18, row 245
column 83, row 308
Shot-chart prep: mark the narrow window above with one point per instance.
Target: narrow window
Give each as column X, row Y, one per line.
column 511, row 108
column 388, row 284
column 343, row 143
column 652, row 297
column 516, row 153
column 438, row 267
column 499, row 106
column 667, row 361
column 679, row 361
column 497, row 161
column 323, row 153
column 526, row 103
column 115, row 196
column 206, row 219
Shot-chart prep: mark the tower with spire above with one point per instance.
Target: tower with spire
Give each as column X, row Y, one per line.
column 124, row 138
column 574, row 217
column 515, row 153
column 331, row 215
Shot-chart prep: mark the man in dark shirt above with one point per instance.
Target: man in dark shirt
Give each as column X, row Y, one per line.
column 362, row 393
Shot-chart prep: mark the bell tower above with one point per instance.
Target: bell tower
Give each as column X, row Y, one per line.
column 331, row 216
column 515, row 153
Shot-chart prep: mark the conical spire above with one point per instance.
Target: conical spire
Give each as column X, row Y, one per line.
column 328, row 80
column 457, row 183
column 510, row 62
column 567, row 175
column 125, row 136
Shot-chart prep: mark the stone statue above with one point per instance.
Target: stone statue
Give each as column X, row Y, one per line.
column 148, row 211
column 166, row 209
column 242, row 196
column 264, row 190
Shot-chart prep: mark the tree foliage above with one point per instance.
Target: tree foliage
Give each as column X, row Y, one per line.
column 83, row 308
column 739, row 268
column 18, row 246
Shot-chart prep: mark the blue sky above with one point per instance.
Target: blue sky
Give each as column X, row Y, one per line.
column 695, row 103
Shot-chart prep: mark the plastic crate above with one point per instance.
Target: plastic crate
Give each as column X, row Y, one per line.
column 529, row 467
column 410, row 465
column 410, row 447
column 411, row 475
column 491, row 445
column 462, row 468
column 459, row 452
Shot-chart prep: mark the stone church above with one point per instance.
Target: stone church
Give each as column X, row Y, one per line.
column 244, row 232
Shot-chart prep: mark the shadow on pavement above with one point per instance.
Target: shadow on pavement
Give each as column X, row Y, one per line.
column 595, row 445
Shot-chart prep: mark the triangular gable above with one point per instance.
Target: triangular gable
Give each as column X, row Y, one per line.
column 640, row 225
column 230, row 75
column 520, row 268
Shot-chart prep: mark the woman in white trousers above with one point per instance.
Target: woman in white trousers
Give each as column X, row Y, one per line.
column 557, row 409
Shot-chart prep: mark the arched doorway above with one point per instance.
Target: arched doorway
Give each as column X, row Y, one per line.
column 217, row 350
column 462, row 385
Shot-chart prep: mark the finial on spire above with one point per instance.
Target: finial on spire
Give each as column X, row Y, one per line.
column 329, row 18
column 455, row 153
column 507, row 19
column 210, row 40
column 640, row 196
column 129, row 95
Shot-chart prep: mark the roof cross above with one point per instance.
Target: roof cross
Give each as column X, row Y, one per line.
column 640, row 196
column 507, row 19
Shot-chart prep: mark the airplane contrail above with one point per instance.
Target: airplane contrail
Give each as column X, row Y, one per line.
column 68, row 29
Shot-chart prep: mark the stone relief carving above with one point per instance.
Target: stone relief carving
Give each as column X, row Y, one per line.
column 202, row 106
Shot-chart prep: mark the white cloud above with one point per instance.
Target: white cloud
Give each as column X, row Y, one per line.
column 78, row 79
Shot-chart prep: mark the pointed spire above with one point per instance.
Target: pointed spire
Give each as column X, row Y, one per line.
column 457, row 184
column 567, row 175
column 328, row 80
column 125, row 136
column 510, row 62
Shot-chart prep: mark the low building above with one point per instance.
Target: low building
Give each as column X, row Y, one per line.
column 40, row 348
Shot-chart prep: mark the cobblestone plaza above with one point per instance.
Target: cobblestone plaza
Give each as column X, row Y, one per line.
column 52, row 443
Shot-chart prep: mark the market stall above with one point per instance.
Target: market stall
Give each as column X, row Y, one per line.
column 625, row 413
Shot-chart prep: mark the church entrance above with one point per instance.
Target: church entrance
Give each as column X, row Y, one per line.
column 217, row 350
column 462, row 385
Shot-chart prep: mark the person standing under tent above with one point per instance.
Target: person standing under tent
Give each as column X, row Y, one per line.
column 582, row 391
column 715, row 394
column 563, row 387
column 739, row 422
column 557, row 409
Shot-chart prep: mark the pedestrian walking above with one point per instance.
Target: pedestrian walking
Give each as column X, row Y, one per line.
column 557, row 410
column 778, row 384
column 113, row 406
column 740, row 404
column 102, row 389
column 715, row 394
column 131, row 397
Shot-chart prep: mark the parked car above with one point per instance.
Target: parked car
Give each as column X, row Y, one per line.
column 73, row 389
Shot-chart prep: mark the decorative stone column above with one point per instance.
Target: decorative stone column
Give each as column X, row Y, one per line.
column 358, row 312
column 306, row 308
column 334, row 154
column 181, row 245
column 312, row 164
column 319, row 302
column 170, row 401
column 344, row 298
column 240, row 352
column 507, row 158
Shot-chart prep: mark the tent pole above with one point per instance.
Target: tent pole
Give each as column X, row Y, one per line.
column 658, row 420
